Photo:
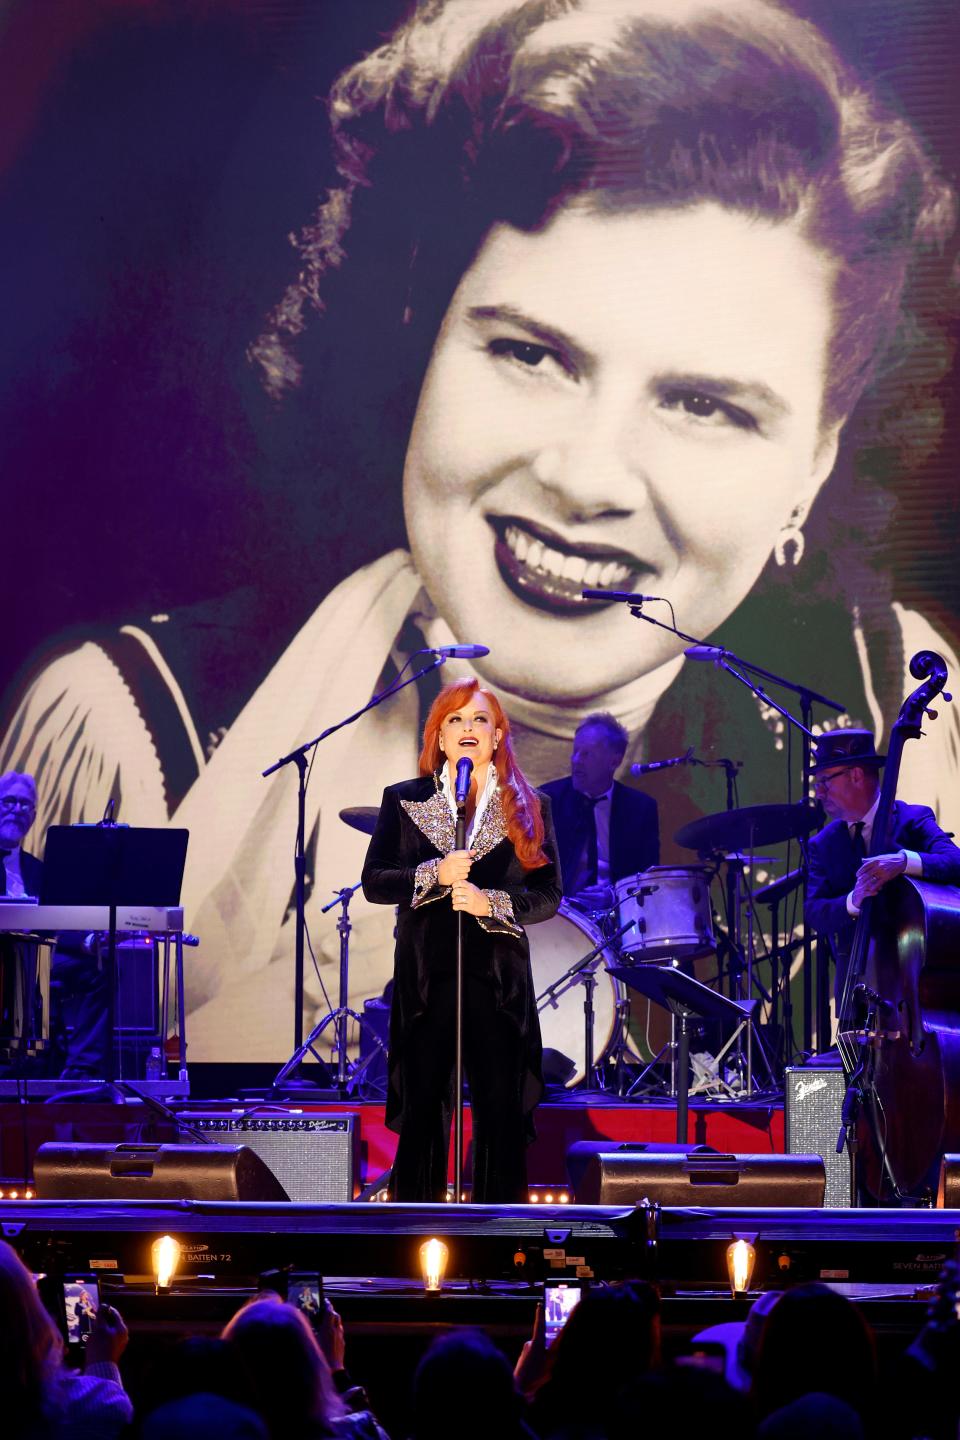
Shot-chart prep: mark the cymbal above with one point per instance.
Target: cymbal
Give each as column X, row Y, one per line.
column 748, row 827
column 361, row 817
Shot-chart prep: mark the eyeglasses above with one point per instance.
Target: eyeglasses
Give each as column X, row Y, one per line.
column 16, row 802
column 822, row 781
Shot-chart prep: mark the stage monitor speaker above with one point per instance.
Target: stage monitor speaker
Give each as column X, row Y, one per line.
column 948, row 1190
column 153, row 1172
column 813, row 1104
column 580, row 1154
column 626, row 1177
column 316, row 1157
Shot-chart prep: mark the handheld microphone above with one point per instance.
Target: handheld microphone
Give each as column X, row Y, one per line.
column 459, row 652
column 464, row 771
column 624, row 595
column 705, row 652
column 663, row 764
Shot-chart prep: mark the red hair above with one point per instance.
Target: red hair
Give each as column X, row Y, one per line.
column 518, row 799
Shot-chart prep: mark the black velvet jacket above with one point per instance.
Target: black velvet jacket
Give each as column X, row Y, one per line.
column 415, row 829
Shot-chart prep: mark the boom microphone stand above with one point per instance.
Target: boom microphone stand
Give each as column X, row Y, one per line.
column 749, row 675
column 298, row 757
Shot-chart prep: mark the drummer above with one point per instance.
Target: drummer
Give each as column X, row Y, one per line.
column 605, row 830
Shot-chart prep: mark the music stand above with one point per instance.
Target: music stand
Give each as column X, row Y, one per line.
column 684, row 997
column 112, row 865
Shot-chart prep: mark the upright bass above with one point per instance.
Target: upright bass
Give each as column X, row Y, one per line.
column 903, row 1059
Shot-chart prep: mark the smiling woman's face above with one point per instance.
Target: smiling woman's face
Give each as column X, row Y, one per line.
column 624, row 401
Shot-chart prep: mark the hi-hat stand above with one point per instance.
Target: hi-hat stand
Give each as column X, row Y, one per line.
column 339, row 1018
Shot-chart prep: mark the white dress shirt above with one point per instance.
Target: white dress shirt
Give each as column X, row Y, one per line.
column 16, row 890
column 914, row 863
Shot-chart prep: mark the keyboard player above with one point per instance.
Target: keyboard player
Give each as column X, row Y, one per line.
column 79, row 1001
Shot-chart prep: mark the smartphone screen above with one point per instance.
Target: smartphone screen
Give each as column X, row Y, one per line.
column 560, row 1297
column 81, row 1301
column 306, row 1292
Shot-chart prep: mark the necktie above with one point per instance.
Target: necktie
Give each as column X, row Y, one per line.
column 591, row 856
column 858, row 843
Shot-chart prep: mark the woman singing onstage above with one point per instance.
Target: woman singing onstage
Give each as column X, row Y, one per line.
column 505, row 879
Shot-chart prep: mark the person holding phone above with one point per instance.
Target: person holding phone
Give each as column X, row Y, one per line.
column 38, row 1387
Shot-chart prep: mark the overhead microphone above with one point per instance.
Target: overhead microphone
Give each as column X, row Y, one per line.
column 624, row 595
column 464, row 771
column 459, row 652
column 706, row 652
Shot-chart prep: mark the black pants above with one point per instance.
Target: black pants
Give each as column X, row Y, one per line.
column 494, row 1061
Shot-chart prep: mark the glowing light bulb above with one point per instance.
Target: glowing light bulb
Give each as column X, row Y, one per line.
column 433, row 1264
column 165, row 1255
column 741, row 1257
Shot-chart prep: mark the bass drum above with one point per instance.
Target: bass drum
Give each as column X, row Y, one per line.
column 555, row 945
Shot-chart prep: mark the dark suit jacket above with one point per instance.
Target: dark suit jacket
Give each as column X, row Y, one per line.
column 634, row 828
column 31, row 869
column 414, row 828
column 833, row 868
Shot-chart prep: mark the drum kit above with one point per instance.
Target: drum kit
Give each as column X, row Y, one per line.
column 587, row 964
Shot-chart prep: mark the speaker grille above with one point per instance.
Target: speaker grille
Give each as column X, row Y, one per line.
column 315, row 1157
column 813, row 1106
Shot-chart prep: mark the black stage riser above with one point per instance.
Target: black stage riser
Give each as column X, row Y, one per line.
column 677, row 1247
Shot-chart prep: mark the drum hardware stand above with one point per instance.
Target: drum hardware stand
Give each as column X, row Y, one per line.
column 583, row 972
column 298, row 757
column 780, row 960
column 669, row 1049
column 338, row 1018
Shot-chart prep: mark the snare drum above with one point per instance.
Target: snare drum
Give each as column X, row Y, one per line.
column 670, row 910
column 555, row 945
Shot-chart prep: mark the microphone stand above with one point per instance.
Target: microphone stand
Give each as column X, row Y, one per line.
column 460, row 843
column 298, row 757
column 727, row 660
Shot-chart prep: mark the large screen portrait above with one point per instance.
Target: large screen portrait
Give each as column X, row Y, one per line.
column 338, row 331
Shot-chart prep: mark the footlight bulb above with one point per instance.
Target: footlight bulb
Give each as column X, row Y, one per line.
column 164, row 1255
column 433, row 1264
column 741, row 1257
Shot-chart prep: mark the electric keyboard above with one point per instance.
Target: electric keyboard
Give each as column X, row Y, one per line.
column 26, row 917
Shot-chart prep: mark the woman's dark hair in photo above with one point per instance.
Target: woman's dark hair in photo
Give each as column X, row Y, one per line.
column 484, row 111
column 815, row 1341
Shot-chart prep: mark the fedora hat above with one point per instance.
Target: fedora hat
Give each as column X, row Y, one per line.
column 846, row 747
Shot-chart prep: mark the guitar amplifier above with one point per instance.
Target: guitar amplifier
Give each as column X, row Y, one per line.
column 315, row 1157
column 812, row 1110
